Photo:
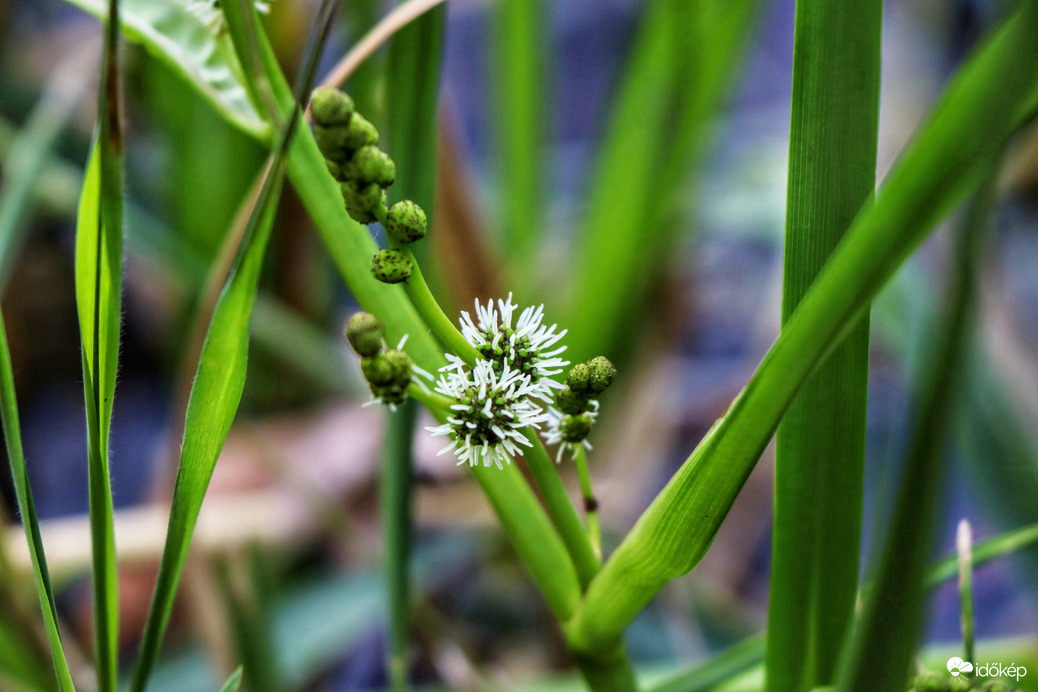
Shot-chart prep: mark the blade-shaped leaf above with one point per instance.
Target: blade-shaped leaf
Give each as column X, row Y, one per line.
column 233, row 682
column 820, row 444
column 27, row 509
column 220, row 378
column 954, row 149
column 99, row 257
column 199, row 53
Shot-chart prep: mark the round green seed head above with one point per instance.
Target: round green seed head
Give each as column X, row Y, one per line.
column 329, row 106
column 364, row 332
column 360, row 215
column 401, row 363
column 603, row 372
column 334, row 167
column 377, row 370
column 575, row 428
column 407, row 222
column 391, row 266
column 373, row 166
column 391, row 393
column 578, row 377
column 359, row 132
column 570, row 402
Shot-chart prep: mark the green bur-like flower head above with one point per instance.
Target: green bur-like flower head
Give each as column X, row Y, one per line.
column 570, row 402
column 406, row 222
column 362, row 200
column 365, row 334
column 330, row 107
column 371, row 165
column 391, row 266
column 603, row 372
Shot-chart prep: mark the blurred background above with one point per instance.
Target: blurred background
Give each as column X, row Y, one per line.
column 287, row 555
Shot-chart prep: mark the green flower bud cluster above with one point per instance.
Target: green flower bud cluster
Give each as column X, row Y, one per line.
column 349, row 144
column 584, row 382
column 388, row 371
column 576, row 400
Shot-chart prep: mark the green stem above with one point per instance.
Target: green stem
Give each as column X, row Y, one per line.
column 964, row 547
column 560, row 508
column 396, row 490
column 594, row 531
column 607, row 671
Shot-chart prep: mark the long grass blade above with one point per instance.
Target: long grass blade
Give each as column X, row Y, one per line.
column 725, row 666
column 99, row 238
column 820, row 445
column 27, row 509
column 985, row 551
column 890, row 627
column 220, row 379
column 954, row 149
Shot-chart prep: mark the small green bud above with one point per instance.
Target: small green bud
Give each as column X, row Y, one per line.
column 329, row 106
column 377, row 370
column 359, row 132
column 578, row 377
column 364, row 197
column 575, row 428
column 364, row 333
column 401, row 364
column 394, row 394
column 391, row 266
column 603, row 372
column 407, row 222
column 359, row 214
column 373, row 166
column 570, row 402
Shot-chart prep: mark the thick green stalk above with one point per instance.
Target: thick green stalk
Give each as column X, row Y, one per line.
column 395, row 496
column 820, row 446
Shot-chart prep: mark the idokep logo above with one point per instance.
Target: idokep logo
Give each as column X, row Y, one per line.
column 959, row 669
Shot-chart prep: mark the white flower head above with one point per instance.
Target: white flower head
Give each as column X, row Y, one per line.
column 492, row 406
column 529, row 346
column 564, row 430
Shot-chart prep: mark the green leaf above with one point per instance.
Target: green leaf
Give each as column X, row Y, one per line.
column 233, row 682
column 99, row 257
column 27, row 509
column 220, row 378
column 181, row 40
column 953, row 150
column 820, row 445
column 724, row 666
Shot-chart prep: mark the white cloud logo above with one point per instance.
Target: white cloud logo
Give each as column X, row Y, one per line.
column 957, row 667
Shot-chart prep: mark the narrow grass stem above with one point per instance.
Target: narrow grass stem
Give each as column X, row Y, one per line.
column 964, row 547
column 430, row 311
column 594, row 531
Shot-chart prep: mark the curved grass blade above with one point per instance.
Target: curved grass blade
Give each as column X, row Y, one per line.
column 27, row 509
column 199, row 53
column 890, row 627
column 99, row 239
column 220, row 379
column 820, row 444
column 233, row 682
column 985, row 551
column 954, row 149
column 728, row 664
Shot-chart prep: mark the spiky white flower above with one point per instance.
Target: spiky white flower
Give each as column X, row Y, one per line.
column 529, row 346
column 556, row 433
column 492, row 406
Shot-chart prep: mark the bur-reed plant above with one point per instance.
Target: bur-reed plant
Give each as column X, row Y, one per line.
column 499, row 381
